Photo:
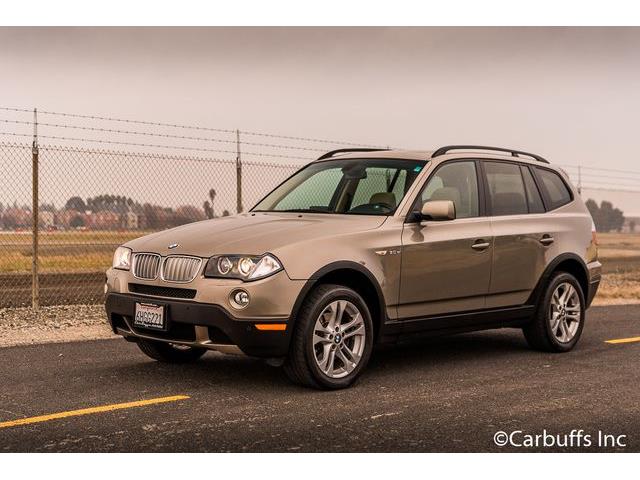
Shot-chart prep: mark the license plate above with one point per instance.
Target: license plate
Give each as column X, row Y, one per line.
column 149, row 315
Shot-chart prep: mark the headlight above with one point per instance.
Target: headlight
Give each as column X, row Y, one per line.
column 122, row 258
column 243, row 267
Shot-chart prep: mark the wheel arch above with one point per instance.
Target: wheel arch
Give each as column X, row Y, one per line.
column 352, row 275
column 566, row 262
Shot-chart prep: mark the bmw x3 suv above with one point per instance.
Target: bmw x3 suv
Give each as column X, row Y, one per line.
column 363, row 247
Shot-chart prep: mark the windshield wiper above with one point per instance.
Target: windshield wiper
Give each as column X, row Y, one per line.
column 304, row 210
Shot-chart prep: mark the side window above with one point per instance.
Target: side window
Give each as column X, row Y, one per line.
column 458, row 182
column 533, row 195
column 506, row 189
column 557, row 191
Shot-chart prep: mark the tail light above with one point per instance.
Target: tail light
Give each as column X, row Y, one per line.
column 594, row 233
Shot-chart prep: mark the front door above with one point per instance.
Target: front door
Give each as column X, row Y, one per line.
column 446, row 265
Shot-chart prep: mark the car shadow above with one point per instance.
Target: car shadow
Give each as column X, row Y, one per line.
column 239, row 373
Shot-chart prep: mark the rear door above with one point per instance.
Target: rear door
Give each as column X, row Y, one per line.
column 520, row 232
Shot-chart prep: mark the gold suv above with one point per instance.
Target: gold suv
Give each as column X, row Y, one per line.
column 362, row 247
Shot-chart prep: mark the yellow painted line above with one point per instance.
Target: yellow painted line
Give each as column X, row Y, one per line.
column 623, row 340
column 89, row 411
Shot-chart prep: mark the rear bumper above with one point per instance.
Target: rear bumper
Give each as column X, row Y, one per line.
column 595, row 274
column 593, row 289
column 200, row 325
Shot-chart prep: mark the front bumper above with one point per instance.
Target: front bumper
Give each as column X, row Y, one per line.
column 200, row 325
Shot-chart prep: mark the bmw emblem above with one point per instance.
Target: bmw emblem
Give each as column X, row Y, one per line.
column 173, row 245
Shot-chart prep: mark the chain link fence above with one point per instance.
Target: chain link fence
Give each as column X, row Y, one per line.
column 91, row 201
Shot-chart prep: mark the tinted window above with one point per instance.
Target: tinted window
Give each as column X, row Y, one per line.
column 533, row 195
column 506, row 189
column 557, row 192
column 457, row 182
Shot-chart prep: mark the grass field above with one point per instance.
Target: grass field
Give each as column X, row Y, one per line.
column 71, row 252
column 620, row 257
column 62, row 252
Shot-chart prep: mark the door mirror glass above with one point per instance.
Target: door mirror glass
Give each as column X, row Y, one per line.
column 438, row 210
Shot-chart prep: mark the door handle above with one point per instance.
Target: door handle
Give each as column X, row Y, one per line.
column 546, row 240
column 480, row 245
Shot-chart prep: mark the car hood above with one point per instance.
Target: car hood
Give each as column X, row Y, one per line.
column 251, row 233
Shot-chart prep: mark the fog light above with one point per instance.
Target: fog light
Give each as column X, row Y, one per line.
column 239, row 298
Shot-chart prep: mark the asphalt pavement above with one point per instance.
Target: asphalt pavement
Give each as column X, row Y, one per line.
column 445, row 394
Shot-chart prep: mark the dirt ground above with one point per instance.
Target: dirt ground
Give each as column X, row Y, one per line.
column 620, row 257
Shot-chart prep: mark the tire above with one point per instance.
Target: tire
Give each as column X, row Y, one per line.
column 312, row 364
column 168, row 353
column 546, row 331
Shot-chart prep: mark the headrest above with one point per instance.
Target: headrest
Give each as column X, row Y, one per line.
column 388, row 198
column 447, row 193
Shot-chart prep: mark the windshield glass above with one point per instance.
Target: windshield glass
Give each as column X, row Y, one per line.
column 358, row 187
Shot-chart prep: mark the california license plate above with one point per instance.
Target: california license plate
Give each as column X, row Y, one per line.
column 149, row 315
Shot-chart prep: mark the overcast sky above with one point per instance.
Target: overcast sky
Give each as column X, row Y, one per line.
column 570, row 94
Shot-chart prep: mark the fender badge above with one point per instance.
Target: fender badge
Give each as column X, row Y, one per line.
column 173, row 245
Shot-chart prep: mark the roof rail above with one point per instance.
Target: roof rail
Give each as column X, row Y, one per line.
column 346, row 150
column 514, row 153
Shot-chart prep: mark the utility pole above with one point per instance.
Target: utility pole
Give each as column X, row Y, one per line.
column 238, row 174
column 579, row 179
column 35, row 288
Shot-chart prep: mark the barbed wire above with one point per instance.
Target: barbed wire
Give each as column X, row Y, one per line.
column 592, row 182
column 612, row 189
column 151, row 145
column 163, row 135
column 13, row 109
column 583, row 168
column 584, row 171
column 191, row 127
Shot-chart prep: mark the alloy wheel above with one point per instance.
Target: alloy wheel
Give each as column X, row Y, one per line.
column 565, row 312
column 339, row 339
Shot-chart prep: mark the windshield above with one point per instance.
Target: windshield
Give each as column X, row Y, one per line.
column 358, row 187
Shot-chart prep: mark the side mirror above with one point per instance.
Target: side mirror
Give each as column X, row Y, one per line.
column 439, row 210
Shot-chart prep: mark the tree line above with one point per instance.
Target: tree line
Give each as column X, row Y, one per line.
column 606, row 217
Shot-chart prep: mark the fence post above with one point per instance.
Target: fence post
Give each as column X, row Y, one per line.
column 35, row 288
column 238, row 174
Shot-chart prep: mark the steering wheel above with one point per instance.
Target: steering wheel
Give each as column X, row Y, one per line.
column 378, row 207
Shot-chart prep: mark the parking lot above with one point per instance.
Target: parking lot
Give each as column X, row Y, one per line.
column 445, row 394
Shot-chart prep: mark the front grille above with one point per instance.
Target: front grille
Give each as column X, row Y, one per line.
column 162, row 291
column 180, row 269
column 146, row 265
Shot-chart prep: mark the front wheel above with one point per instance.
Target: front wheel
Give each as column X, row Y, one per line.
column 169, row 353
column 332, row 340
column 559, row 319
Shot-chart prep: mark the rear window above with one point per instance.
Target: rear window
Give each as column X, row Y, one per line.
column 556, row 190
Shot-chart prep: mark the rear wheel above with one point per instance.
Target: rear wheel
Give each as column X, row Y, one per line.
column 559, row 319
column 332, row 340
column 168, row 352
